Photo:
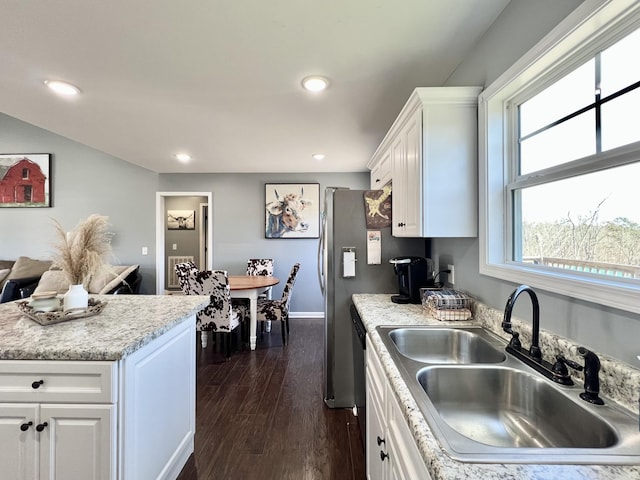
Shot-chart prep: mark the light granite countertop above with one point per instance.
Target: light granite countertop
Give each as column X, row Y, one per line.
column 127, row 323
column 377, row 309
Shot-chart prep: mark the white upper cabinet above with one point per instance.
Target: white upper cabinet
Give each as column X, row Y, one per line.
column 432, row 151
column 381, row 171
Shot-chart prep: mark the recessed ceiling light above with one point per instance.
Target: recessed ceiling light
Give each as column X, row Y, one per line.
column 183, row 157
column 315, row 83
column 318, row 156
column 62, row 88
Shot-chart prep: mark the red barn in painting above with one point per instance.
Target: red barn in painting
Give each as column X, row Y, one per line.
column 21, row 181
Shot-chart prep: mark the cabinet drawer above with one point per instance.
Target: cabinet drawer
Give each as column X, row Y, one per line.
column 57, row 381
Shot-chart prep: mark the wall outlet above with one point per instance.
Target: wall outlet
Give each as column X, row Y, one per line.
column 452, row 275
column 174, row 246
column 145, row 251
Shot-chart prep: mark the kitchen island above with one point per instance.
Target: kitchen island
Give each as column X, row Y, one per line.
column 110, row 396
column 376, row 310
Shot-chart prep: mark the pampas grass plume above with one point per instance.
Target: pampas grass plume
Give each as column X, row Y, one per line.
column 84, row 251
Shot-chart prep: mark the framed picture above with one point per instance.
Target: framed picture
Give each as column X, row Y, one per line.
column 181, row 219
column 292, row 210
column 25, row 180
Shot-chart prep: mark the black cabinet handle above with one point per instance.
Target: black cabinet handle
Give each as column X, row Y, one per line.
column 36, row 385
column 41, row 427
column 383, row 455
column 377, row 180
column 401, row 224
column 380, row 440
column 25, row 426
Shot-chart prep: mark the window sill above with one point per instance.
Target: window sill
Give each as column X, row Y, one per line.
column 602, row 290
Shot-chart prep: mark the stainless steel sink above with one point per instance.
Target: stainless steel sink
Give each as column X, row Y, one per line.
column 505, row 407
column 447, row 345
column 505, row 412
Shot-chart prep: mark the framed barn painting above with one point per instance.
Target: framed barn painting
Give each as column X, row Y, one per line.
column 181, row 219
column 292, row 210
column 25, row 180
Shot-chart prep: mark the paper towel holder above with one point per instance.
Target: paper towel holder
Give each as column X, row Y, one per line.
column 349, row 262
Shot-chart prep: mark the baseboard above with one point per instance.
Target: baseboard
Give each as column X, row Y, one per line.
column 306, row 314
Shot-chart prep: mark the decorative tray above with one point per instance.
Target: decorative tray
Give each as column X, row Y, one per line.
column 56, row 316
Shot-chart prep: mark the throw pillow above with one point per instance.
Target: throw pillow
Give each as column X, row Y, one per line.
column 6, row 264
column 52, row 281
column 26, row 267
column 103, row 284
column 4, row 274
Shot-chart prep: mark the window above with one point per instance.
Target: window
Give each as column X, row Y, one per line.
column 560, row 161
column 586, row 222
column 25, row 173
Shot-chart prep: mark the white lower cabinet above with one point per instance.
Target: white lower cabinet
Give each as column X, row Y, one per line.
column 73, row 439
column 77, row 442
column 391, row 451
column 131, row 419
column 60, row 442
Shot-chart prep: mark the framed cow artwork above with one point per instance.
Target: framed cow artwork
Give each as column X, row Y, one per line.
column 292, row 210
column 25, row 180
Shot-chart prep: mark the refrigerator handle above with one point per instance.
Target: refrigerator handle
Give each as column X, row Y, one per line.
column 321, row 253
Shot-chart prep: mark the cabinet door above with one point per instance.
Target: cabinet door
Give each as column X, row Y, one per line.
column 413, row 204
column 377, row 462
column 381, row 172
column 406, row 156
column 405, row 460
column 18, row 459
column 399, row 174
column 77, row 442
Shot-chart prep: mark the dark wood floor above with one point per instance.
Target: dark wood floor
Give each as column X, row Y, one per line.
column 260, row 415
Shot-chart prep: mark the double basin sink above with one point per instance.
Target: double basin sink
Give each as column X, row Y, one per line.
column 483, row 405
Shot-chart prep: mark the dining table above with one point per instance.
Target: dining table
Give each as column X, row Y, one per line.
column 250, row 286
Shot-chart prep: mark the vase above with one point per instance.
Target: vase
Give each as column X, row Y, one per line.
column 76, row 298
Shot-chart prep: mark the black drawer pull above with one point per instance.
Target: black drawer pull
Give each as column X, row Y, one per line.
column 36, row 385
column 383, row 455
column 380, row 441
column 41, row 427
column 25, row 426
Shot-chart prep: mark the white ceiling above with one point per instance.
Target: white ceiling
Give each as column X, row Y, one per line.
column 221, row 79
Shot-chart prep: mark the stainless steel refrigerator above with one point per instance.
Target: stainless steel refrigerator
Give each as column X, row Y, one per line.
column 343, row 227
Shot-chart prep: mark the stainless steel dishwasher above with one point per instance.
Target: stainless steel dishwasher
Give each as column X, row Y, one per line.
column 359, row 379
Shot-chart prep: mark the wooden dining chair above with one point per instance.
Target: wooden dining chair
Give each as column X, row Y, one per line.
column 271, row 310
column 218, row 316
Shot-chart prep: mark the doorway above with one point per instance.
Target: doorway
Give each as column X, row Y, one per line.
column 161, row 231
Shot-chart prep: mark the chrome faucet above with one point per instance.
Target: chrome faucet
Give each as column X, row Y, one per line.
column 534, row 350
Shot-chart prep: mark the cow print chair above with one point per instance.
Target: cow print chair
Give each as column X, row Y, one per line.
column 219, row 316
column 260, row 266
column 271, row 310
column 256, row 266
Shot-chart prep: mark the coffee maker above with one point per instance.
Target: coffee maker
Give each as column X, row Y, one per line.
column 413, row 274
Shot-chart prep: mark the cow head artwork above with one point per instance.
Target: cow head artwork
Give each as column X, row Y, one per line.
column 285, row 214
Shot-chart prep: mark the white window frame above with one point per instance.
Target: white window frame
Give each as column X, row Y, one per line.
column 593, row 25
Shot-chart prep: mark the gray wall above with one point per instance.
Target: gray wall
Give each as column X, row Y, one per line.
column 84, row 181
column 522, row 24
column 238, row 226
